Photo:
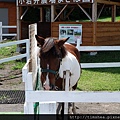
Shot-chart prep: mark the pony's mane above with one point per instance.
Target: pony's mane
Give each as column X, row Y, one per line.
column 53, row 52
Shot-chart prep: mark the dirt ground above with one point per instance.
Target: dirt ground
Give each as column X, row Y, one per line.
column 12, row 80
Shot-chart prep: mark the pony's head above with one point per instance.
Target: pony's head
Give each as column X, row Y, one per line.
column 51, row 53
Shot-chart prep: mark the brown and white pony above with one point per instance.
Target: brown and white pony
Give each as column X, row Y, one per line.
column 56, row 57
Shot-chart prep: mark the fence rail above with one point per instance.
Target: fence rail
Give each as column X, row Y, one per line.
column 70, row 96
column 73, row 96
column 9, row 34
column 99, row 48
column 46, row 97
column 27, row 54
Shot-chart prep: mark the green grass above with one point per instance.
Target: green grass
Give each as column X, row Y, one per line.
column 108, row 19
column 103, row 56
column 100, row 79
column 9, row 52
column 103, row 19
column 13, row 65
column 18, row 65
column 11, row 113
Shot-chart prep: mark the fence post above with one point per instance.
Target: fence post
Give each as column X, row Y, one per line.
column 67, row 82
column 0, row 31
column 28, row 107
column 28, row 49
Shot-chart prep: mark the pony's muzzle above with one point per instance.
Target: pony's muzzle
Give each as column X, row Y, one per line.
column 51, row 87
column 46, row 87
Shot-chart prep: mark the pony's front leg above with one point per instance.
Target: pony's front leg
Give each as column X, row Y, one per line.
column 71, row 108
column 74, row 108
column 59, row 108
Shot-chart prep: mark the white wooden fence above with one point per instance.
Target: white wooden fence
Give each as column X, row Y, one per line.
column 100, row 48
column 4, row 27
column 52, row 97
column 48, row 99
column 27, row 54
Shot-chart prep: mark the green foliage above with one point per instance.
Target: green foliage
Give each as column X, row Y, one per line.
column 103, row 56
column 107, row 19
column 100, row 79
column 1, row 66
column 18, row 65
column 9, row 52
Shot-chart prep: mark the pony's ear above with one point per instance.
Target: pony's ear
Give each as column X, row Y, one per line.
column 40, row 40
column 62, row 41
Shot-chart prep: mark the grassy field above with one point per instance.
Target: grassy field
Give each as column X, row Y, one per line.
column 8, row 52
column 108, row 19
column 100, row 79
column 97, row 79
column 105, row 19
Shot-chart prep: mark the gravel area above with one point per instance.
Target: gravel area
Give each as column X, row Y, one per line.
column 12, row 80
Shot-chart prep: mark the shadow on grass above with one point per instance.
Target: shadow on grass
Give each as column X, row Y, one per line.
column 107, row 70
column 102, row 57
column 109, row 56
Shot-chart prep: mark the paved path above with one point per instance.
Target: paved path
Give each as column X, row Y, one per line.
column 82, row 108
